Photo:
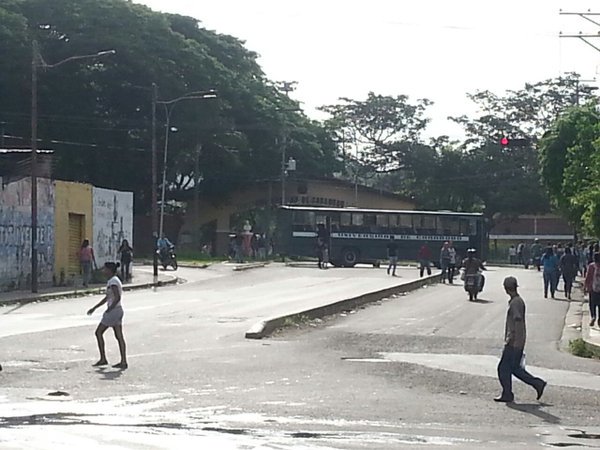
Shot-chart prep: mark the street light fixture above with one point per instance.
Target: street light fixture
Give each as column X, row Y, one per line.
column 169, row 107
column 37, row 62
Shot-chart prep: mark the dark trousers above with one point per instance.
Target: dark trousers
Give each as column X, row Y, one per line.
column 568, row 279
column 510, row 364
column 125, row 270
column 594, row 305
column 451, row 272
column 550, row 281
column 424, row 265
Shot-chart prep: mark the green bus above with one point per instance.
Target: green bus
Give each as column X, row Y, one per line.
column 360, row 236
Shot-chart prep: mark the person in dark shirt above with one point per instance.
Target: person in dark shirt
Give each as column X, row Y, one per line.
column 392, row 253
column 515, row 335
column 424, row 256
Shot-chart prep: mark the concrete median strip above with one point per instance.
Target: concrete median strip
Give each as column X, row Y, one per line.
column 82, row 293
column 266, row 327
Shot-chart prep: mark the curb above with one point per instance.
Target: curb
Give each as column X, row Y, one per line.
column 83, row 293
column 250, row 266
column 266, row 327
column 573, row 327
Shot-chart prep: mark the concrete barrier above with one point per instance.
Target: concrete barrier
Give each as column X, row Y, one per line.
column 266, row 327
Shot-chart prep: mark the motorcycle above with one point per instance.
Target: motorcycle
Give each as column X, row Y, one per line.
column 168, row 257
column 473, row 285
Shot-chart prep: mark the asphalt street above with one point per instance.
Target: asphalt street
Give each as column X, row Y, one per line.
column 416, row 371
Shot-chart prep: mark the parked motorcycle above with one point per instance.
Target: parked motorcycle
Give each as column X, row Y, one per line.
column 168, row 257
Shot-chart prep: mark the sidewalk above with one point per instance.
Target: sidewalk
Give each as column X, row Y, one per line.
column 591, row 335
column 142, row 279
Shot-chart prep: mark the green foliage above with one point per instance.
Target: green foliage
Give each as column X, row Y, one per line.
column 582, row 349
column 570, row 166
column 97, row 114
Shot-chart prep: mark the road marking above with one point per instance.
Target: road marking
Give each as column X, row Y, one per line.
column 485, row 366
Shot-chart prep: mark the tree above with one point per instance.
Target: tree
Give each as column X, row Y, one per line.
column 570, row 166
column 377, row 132
column 97, row 115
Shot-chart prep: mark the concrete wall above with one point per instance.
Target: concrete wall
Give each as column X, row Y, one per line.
column 70, row 198
column 113, row 222
column 15, row 233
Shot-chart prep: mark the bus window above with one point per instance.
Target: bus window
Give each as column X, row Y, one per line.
column 358, row 219
column 304, row 221
column 346, row 219
column 321, row 219
column 393, row 222
column 425, row 224
column 468, row 227
column 448, row 225
column 371, row 223
column 405, row 222
column 382, row 221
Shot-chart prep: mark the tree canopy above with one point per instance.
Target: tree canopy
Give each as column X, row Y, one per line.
column 97, row 114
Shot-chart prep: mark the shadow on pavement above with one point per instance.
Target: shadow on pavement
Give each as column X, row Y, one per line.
column 12, row 310
column 534, row 410
column 109, row 375
column 482, row 301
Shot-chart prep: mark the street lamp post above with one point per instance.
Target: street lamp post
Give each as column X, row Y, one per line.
column 37, row 62
column 169, row 107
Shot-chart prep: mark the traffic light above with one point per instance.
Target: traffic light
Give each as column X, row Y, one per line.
column 512, row 142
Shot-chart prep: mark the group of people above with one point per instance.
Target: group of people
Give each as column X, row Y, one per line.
column 249, row 246
column 87, row 261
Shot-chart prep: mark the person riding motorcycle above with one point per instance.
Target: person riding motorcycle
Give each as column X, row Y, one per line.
column 164, row 245
column 472, row 266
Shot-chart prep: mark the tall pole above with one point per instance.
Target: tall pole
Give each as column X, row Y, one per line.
column 34, row 208
column 154, row 186
column 283, row 151
column 164, row 174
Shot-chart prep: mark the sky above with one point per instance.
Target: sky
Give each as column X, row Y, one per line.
column 435, row 49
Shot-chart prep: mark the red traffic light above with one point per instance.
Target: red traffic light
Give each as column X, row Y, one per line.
column 516, row 142
column 504, row 141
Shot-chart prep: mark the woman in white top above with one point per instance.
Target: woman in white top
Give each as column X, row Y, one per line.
column 112, row 317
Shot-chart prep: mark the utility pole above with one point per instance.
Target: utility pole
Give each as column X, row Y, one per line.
column 287, row 87
column 585, row 37
column 35, row 62
column 154, row 184
column 2, row 130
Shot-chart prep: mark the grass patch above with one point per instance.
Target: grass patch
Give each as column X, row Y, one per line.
column 579, row 347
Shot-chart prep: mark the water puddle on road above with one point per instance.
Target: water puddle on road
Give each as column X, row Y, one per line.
column 150, row 420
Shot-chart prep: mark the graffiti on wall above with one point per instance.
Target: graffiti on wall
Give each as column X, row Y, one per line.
column 113, row 222
column 15, row 233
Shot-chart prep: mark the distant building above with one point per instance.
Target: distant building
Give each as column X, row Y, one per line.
column 549, row 227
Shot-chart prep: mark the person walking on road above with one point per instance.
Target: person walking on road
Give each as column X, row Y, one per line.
column 512, row 254
column 521, row 253
column 392, row 252
column 569, row 265
column 445, row 260
column 536, row 253
column 452, row 263
column 515, row 335
column 112, row 317
column 592, row 288
column 87, row 260
column 424, row 256
column 125, row 253
column 550, row 262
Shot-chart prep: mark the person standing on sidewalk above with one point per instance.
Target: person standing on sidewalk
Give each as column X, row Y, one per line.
column 392, row 253
column 592, row 288
column 112, row 317
column 424, row 256
column 550, row 262
column 125, row 254
column 87, row 259
column 515, row 335
column 569, row 265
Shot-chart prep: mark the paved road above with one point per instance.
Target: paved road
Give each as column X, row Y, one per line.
column 416, row 371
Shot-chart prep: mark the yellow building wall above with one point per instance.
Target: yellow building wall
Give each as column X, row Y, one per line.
column 70, row 199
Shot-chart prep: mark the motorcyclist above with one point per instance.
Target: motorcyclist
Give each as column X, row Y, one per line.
column 164, row 245
column 472, row 266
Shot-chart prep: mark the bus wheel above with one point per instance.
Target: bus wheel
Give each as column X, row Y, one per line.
column 349, row 257
column 377, row 264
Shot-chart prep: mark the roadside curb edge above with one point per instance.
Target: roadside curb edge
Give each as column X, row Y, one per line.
column 83, row 293
column 266, row 327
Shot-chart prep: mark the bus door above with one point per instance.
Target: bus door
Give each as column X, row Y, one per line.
column 325, row 220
